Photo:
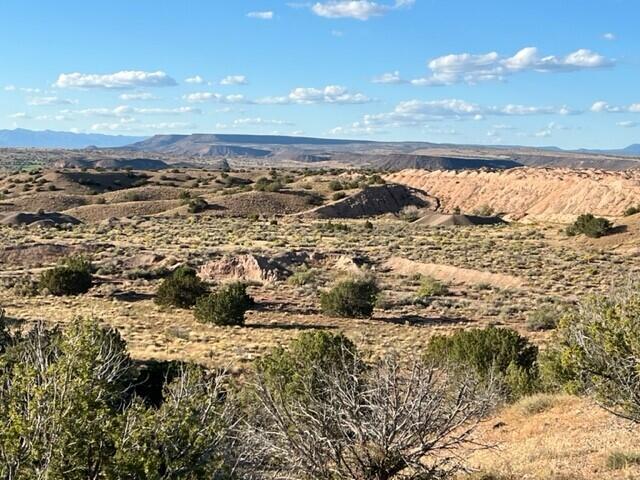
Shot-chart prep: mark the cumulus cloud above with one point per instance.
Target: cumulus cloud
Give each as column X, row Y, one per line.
column 268, row 15
column 140, row 96
column 389, row 78
column 234, row 80
column 418, row 113
column 9, row 88
column 627, row 124
column 356, row 9
column 44, row 101
column 130, row 125
column 197, row 80
column 335, row 94
column 201, row 97
column 126, row 79
column 609, row 36
column 476, row 68
column 604, row 107
column 259, row 121
column 20, row 116
column 127, row 111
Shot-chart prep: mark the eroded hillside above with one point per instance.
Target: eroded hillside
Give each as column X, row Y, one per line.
column 535, row 193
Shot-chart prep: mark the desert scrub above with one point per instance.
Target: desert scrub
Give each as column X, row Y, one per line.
column 410, row 213
column 197, row 205
column 494, row 354
column 303, row 276
column 353, row 298
column 543, row 318
column 430, row 287
column 226, row 306
column 181, row 289
column 593, row 227
column 620, row 460
column 71, row 277
column 290, row 371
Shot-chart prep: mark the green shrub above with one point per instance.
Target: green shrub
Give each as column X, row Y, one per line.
column 597, row 351
column 287, row 370
column 338, row 196
column 265, row 184
column 430, row 287
column 226, row 306
column 71, row 277
column 593, row 227
column 494, row 353
column 543, row 318
column 302, row 276
column 350, row 298
column 181, row 289
column 620, row 460
column 197, row 205
column 631, row 211
column 336, row 185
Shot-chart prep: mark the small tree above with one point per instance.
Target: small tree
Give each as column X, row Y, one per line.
column 499, row 354
column 597, row 351
column 72, row 276
column 181, row 289
column 350, row 298
column 227, row 306
column 381, row 423
column 197, row 205
column 593, row 227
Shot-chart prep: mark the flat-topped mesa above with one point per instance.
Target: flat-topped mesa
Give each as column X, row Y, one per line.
column 545, row 194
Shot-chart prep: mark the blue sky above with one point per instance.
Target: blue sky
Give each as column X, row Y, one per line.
column 543, row 72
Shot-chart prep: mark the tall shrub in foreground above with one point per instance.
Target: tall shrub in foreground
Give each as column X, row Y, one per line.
column 591, row 226
column 597, row 351
column 494, row 354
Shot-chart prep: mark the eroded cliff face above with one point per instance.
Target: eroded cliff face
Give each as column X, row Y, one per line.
column 544, row 194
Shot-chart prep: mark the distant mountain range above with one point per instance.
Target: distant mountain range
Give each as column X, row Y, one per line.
column 21, row 138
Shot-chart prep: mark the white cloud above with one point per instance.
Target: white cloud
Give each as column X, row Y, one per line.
column 20, row 115
column 9, row 88
column 356, row 9
column 627, row 124
column 259, row 121
column 127, row 111
column 119, row 80
column 337, row 33
column 475, row 68
column 130, row 125
column 234, row 80
column 334, row 94
column 609, row 36
column 197, row 80
column 604, row 107
column 201, row 97
column 418, row 113
column 141, row 96
column 389, row 78
column 43, row 101
column 268, row 15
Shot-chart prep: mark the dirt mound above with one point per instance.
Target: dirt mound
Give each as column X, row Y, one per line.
column 97, row 213
column 44, row 219
column 443, row 220
column 261, row 203
column 243, row 267
column 43, row 201
column 146, row 193
column 372, row 201
column 94, row 182
column 451, row 274
column 536, row 193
